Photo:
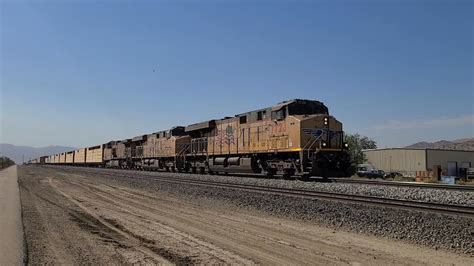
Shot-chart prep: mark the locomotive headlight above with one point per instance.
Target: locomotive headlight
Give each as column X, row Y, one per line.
column 326, row 121
column 324, row 144
column 346, row 145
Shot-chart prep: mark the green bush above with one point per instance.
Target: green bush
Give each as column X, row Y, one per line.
column 5, row 162
column 356, row 144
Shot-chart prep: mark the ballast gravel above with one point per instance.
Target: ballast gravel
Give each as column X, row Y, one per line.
column 437, row 231
column 405, row 193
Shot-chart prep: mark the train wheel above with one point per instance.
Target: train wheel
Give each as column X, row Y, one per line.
column 202, row 170
column 288, row 174
column 324, row 173
column 270, row 173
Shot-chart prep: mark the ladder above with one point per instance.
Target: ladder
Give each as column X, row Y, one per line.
column 180, row 156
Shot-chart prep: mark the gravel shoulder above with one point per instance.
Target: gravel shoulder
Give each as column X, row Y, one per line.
column 74, row 216
column 11, row 229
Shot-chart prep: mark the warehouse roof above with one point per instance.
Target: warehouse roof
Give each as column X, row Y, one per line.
column 416, row 149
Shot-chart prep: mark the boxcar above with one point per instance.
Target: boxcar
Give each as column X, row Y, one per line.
column 94, row 155
column 62, row 158
column 80, row 156
column 70, row 157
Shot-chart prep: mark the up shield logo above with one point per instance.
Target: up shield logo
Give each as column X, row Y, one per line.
column 315, row 132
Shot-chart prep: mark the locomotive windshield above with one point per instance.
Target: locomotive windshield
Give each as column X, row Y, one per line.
column 307, row 108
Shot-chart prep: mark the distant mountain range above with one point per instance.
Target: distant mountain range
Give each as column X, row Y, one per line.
column 460, row 144
column 17, row 153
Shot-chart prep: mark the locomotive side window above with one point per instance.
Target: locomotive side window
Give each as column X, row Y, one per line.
column 261, row 115
column 279, row 115
column 243, row 119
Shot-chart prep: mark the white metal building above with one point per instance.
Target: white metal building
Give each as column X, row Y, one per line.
column 408, row 161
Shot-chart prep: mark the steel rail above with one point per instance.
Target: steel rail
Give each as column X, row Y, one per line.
column 404, row 184
column 468, row 188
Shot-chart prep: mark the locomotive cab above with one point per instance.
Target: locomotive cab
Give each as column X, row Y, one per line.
column 317, row 136
column 323, row 147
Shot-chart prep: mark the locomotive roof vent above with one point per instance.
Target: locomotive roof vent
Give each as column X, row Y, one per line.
column 210, row 124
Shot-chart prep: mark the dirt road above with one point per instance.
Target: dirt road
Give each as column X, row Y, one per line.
column 77, row 218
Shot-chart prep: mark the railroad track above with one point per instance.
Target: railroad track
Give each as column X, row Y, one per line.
column 403, row 184
column 432, row 207
column 468, row 188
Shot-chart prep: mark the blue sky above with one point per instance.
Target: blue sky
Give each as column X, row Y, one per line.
column 81, row 73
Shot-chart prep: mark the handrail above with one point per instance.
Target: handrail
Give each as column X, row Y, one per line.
column 199, row 145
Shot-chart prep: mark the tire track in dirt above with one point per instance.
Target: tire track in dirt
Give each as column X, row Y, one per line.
column 140, row 217
column 242, row 234
column 50, row 237
column 130, row 240
column 200, row 225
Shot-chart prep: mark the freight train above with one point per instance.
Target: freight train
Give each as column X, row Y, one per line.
column 292, row 138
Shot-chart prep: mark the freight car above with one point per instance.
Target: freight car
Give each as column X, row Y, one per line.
column 296, row 137
column 62, row 158
column 94, row 155
column 70, row 157
column 80, row 156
